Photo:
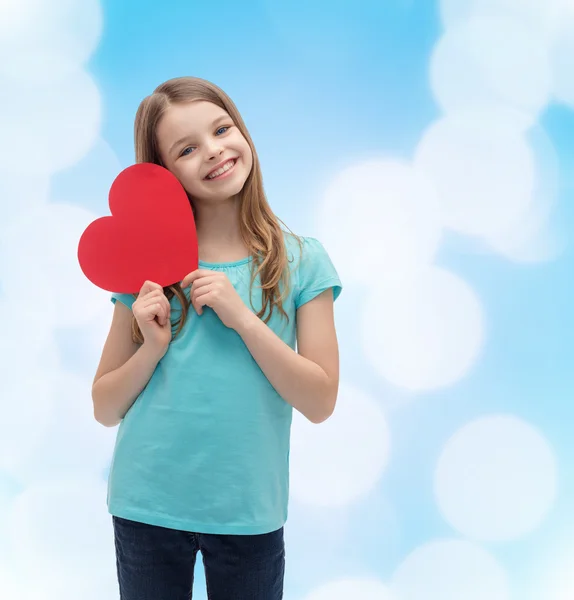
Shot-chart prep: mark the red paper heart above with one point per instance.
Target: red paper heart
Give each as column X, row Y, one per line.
column 151, row 234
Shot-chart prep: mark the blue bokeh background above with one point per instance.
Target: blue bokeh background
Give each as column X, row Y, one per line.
column 322, row 87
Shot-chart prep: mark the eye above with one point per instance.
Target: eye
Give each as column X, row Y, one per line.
column 226, row 128
column 185, row 151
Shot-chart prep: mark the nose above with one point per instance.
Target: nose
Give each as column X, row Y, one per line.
column 214, row 149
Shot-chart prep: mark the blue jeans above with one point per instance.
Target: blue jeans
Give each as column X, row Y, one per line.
column 155, row 563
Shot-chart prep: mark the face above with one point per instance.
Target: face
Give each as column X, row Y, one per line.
column 204, row 149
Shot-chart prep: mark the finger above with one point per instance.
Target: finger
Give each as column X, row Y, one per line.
column 195, row 306
column 155, row 312
column 150, row 305
column 161, row 315
column 203, row 290
column 149, row 286
column 167, row 308
column 194, row 303
column 154, row 294
column 150, row 301
column 203, row 281
column 152, row 297
column 149, row 313
column 189, row 279
column 198, row 307
column 161, row 309
column 202, row 297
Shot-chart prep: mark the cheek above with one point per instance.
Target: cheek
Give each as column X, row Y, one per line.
column 248, row 156
column 187, row 175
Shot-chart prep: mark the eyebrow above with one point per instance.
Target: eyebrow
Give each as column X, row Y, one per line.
column 189, row 136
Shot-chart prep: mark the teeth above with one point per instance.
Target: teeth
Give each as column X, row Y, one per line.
column 222, row 170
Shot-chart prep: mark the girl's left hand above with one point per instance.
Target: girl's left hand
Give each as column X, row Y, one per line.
column 213, row 289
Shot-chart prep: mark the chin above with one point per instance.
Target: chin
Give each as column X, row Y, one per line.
column 238, row 183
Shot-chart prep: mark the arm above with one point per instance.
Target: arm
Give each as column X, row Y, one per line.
column 309, row 379
column 124, row 370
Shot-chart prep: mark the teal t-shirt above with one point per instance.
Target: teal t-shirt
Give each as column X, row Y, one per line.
column 205, row 446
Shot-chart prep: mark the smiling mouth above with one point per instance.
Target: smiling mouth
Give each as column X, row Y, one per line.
column 222, row 171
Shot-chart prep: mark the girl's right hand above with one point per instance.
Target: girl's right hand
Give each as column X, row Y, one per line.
column 153, row 315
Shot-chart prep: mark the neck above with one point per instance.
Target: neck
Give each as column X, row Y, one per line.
column 217, row 225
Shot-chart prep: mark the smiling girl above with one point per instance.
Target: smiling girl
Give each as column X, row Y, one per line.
column 203, row 376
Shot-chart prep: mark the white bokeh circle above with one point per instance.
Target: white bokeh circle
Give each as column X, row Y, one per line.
column 539, row 17
column 483, row 169
column 561, row 52
column 532, row 237
column 29, row 356
column 450, row 570
column 75, row 443
column 344, row 589
column 27, row 405
column 31, row 336
column 20, row 193
column 47, row 39
column 48, row 126
column 423, row 335
column 327, row 38
column 87, row 183
column 38, row 255
column 61, row 584
column 343, row 459
column 566, row 591
column 491, row 62
column 496, row 479
column 11, row 588
column 380, row 217
column 94, row 334
column 558, row 583
column 63, row 525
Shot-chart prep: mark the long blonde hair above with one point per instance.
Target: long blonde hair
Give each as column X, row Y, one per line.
column 259, row 227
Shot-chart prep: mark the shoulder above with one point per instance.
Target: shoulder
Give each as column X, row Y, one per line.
column 313, row 270
column 301, row 248
column 125, row 299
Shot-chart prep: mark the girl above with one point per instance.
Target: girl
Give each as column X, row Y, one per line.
column 203, row 376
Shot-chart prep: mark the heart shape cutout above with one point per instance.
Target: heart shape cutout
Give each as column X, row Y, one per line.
column 150, row 234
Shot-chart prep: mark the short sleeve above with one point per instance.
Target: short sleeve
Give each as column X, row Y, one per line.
column 316, row 273
column 127, row 299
